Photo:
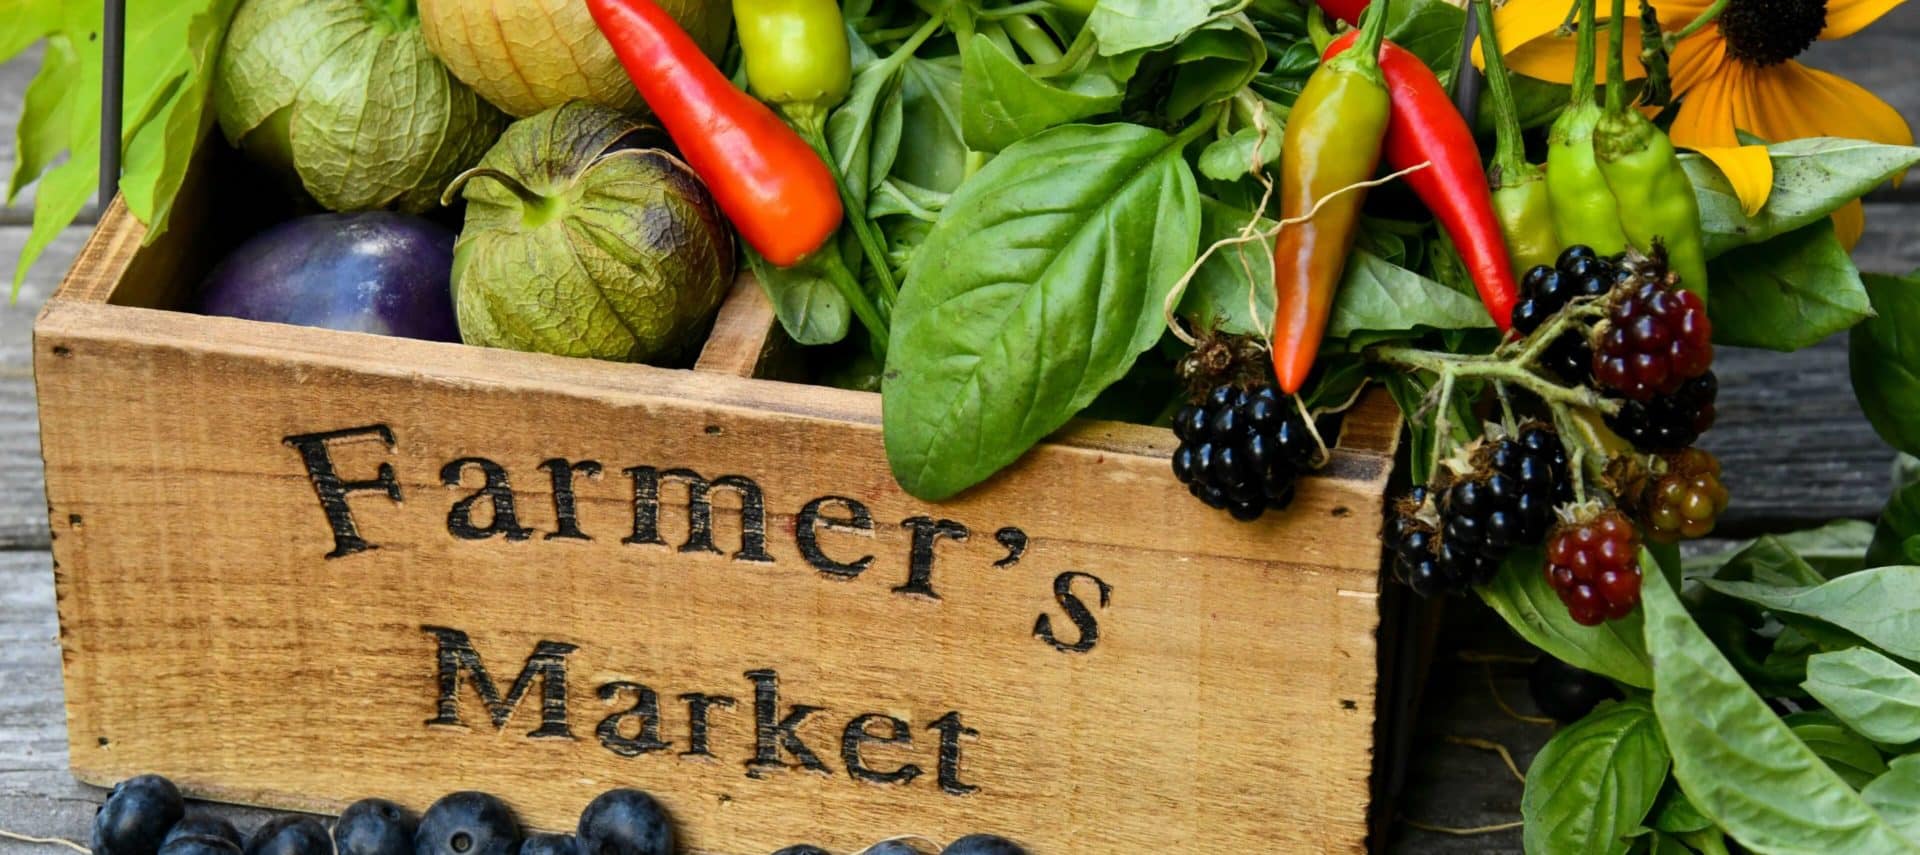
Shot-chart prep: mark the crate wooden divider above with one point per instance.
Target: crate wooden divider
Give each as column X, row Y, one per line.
column 787, row 649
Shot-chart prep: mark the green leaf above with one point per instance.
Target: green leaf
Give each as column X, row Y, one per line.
column 1896, row 795
column 1431, row 30
column 1787, row 293
column 1123, row 26
column 1231, row 159
column 1212, row 64
column 1590, row 786
column 1848, row 754
column 1812, row 178
column 1738, row 762
column 930, row 101
column 1831, row 550
column 1881, row 605
column 1874, row 695
column 1770, row 561
column 1003, row 103
column 46, row 115
column 1896, row 537
column 1883, row 356
column 1041, row 283
column 1375, row 296
column 1521, row 594
column 1674, row 813
column 809, row 307
column 864, row 132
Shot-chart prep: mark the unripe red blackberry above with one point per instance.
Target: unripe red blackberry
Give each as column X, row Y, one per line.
column 1687, row 500
column 1593, row 563
column 1655, row 339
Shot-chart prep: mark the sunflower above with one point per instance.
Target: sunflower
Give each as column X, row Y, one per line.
column 1734, row 75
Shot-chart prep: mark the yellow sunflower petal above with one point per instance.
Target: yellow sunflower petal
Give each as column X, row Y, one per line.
column 1697, row 59
column 1748, row 169
column 1791, row 101
column 1708, row 112
column 1527, row 30
column 1846, row 17
column 1848, row 224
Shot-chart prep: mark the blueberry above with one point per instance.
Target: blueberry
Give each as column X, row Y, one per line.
column 375, row 827
column 290, row 835
column 890, row 847
column 625, row 822
column 136, row 816
column 198, row 844
column 467, row 823
column 983, row 844
column 202, row 825
column 803, row 849
column 551, row 844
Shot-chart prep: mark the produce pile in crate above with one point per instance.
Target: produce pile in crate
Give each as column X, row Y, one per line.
column 1226, row 218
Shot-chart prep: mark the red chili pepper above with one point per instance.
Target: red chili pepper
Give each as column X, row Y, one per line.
column 766, row 179
column 1427, row 129
column 1345, row 10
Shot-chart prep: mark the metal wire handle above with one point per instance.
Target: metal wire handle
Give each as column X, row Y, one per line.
column 112, row 95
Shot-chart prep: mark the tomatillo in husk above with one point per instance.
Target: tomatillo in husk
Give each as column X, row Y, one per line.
column 581, row 240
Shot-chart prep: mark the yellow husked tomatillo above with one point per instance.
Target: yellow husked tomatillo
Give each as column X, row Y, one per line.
column 525, row 56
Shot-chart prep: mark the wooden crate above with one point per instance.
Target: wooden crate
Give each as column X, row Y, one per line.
column 297, row 567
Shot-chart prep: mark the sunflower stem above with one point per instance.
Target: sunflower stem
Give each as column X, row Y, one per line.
column 1712, row 14
column 1617, row 58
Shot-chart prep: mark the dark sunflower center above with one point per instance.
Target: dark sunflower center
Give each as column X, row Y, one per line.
column 1766, row 32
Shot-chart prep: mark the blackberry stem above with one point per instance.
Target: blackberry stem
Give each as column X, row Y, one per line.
column 1495, row 368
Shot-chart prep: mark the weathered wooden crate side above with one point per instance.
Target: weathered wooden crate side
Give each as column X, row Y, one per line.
column 1077, row 655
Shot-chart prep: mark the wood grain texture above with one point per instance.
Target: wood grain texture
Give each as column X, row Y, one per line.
column 1234, row 663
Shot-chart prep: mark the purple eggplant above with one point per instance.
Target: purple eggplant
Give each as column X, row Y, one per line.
column 373, row 272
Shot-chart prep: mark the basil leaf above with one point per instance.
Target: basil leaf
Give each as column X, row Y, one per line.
column 864, row 132
column 1376, row 296
column 1537, row 101
column 1041, row 283
column 1213, row 63
column 1674, row 813
column 1896, row 537
column 1738, row 762
column 1874, row 695
column 1431, row 30
column 1003, row 103
column 1883, row 356
column 930, row 101
column 1521, row 595
column 1591, row 784
column 1847, row 753
column 1130, row 25
column 1812, row 178
column 1787, row 293
column 1896, row 795
column 809, row 307
column 1830, row 550
column 1881, row 605
column 1231, row 159
column 1770, row 561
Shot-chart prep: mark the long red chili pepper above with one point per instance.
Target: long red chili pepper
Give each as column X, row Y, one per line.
column 766, row 179
column 1427, row 129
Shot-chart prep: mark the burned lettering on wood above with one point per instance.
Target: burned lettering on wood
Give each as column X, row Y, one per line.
column 566, row 520
column 857, row 734
column 771, row 736
column 1076, row 611
column 646, row 511
column 333, row 490
column 926, row 531
column 806, row 535
column 499, row 495
column 697, row 727
column 951, row 732
column 547, row 663
column 645, row 709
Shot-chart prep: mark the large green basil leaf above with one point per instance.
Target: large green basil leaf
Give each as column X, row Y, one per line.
column 1874, row 695
column 1883, row 355
column 1738, row 762
column 1003, row 103
column 1041, row 283
column 1674, row 813
column 1896, row 795
column 1231, row 158
column 1593, row 783
column 930, row 102
column 1896, row 537
column 1787, row 293
column 1123, row 26
column 1374, row 295
column 809, row 307
column 864, row 132
column 1848, row 754
column 1521, row 594
column 1834, row 549
column 1812, row 178
column 1213, row 63
column 1881, row 605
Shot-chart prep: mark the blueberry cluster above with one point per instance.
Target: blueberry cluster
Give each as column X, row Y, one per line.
column 146, row 816
column 1241, row 450
column 1544, row 291
column 1507, row 501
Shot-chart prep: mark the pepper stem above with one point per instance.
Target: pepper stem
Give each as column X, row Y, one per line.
column 535, row 207
column 1373, row 31
column 1509, row 155
column 1583, row 57
column 1617, row 58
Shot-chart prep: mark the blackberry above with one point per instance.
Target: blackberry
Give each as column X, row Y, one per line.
column 1565, row 693
column 1510, row 500
column 1546, row 290
column 1656, row 336
column 1593, row 563
column 1687, row 500
column 1668, row 422
column 1241, row 450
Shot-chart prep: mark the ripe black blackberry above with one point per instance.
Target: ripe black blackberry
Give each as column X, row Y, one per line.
column 1509, row 499
column 1546, row 290
column 1668, row 422
column 1426, row 561
column 1241, row 450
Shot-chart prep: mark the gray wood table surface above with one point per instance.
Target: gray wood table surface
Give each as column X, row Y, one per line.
column 1796, row 448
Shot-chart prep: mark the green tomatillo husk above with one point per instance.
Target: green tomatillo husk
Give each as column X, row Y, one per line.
column 582, row 241
column 344, row 96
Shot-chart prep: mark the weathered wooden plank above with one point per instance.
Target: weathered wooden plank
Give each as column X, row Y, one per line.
column 23, row 509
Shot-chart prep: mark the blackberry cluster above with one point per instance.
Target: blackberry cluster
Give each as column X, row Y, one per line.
column 1507, row 502
column 1656, row 338
column 1687, row 500
column 1242, row 450
column 1593, row 563
column 1546, row 290
column 1668, row 422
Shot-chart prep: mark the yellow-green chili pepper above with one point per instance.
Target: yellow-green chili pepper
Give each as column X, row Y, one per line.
column 797, row 55
column 1520, row 200
column 1584, row 211
column 1645, row 176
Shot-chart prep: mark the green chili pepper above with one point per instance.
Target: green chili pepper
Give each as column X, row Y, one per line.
column 1645, row 176
column 1584, row 211
column 797, row 55
column 1520, row 200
